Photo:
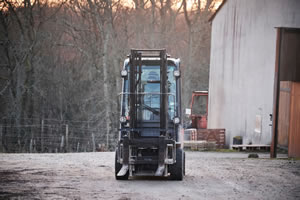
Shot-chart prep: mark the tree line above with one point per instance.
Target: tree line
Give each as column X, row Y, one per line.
column 61, row 60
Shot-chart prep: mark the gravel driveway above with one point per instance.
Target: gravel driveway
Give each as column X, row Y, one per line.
column 209, row 175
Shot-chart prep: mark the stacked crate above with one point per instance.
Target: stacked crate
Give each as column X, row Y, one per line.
column 206, row 139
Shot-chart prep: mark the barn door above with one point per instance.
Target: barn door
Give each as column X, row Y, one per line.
column 287, row 68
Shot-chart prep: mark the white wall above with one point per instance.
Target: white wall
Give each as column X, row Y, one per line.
column 242, row 65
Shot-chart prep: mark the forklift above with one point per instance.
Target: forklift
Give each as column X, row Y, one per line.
column 198, row 110
column 150, row 139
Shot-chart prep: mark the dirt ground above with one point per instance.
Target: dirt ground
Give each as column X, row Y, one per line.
column 209, row 175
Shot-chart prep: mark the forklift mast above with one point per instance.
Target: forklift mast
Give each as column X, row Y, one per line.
column 135, row 71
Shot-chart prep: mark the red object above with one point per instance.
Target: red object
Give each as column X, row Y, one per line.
column 199, row 121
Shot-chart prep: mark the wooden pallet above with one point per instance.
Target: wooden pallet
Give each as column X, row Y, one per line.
column 251, row 147
column 209, row 135
column 199, row 145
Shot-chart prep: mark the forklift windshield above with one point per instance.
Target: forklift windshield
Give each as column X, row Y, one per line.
column 148, row 98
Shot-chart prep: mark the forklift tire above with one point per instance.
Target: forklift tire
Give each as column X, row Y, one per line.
column 118, row 166
column 177, row 169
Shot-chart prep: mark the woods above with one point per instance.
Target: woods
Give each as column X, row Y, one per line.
column 60, row 65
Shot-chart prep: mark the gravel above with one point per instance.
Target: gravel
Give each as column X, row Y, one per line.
column 209, row 175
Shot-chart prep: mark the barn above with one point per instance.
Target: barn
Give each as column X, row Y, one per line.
column 254, row 88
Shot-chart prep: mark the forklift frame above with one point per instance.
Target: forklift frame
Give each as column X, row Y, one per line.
column 168, row 143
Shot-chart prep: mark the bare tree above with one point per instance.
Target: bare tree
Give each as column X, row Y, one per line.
column 198, row 46
column 61, row 61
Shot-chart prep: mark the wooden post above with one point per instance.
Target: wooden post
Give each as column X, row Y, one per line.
column 34, row 146
column 50, row 141
column 67, row 137
column 4, row 134
column 42, row 136
column 84, row 148
column 107, row 139
column 30, row 146
column 77, row 147
column 94, row 145
column 1, row 143
column 62, row 143
column 273, row 152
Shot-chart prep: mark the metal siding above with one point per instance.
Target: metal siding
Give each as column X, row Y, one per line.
column 242, row 65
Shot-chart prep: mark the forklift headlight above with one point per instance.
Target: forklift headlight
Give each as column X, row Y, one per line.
column 124, row 73
column 176, row 120
column 122, row 119
column 176, row 73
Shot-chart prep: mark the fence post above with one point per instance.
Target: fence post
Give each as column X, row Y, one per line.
column 34, row 146
column 1, row 143
column 30, row 146
column 62, row 143
column 52, row 145
column 67, row 137
column 107, row 141
column 4, row 135
column 94, row 145
column 78, row 147
column 42, row 136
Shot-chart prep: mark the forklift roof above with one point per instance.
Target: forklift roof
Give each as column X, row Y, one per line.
column 176, row 61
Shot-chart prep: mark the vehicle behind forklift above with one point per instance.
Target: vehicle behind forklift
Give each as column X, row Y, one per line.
column 199, row 109
column 151, row 133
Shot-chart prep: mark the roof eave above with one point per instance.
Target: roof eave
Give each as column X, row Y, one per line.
column 219, row 8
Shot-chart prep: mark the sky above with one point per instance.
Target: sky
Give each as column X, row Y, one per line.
column 190, row 3
column 130, row 3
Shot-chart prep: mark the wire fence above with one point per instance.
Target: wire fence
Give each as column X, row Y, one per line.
column 54, row 136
